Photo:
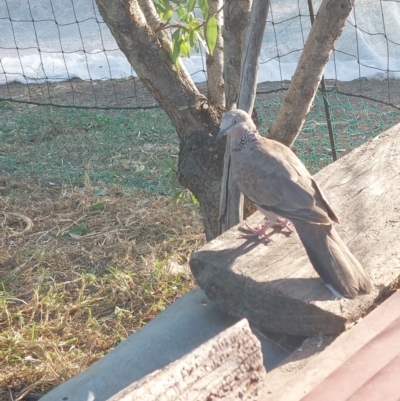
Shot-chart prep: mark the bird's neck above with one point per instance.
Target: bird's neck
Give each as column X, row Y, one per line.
column 244, row 140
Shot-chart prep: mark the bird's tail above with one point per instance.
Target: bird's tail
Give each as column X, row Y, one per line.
column 332, row 260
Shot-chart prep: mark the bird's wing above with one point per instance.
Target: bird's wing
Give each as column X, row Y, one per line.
column 276, row 180
column 297, row 201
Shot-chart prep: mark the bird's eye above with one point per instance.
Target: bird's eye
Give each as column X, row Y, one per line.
column 235, row 121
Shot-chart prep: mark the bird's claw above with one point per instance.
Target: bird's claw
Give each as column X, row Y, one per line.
column 284, row 224
column 258, row 232
column 261, row 231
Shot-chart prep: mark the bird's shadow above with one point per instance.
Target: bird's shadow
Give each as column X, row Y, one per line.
column 247, row 234
column 311, row 288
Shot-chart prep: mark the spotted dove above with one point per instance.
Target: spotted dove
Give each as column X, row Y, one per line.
column 273, row 177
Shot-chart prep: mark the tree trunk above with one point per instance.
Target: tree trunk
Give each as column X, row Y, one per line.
column 195, row 120
column 231, row 200
column 327, row 27
column 236, row 16
column 250, row 59
column 215, row 63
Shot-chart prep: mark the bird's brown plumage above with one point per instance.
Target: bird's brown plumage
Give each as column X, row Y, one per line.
column 273, row 177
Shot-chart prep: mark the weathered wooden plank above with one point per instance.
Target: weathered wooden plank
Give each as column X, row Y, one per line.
column 326, row 376
column 229, row 366
column 275, row 286
column 376, row 356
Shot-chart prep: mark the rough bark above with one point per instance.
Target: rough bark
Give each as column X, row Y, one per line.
column 231, row 200
column 251, row 55
column 229, row 366
column 154, row 21
column 215, row 63
column 236, row 16
column 327, row 27
column 195, row 120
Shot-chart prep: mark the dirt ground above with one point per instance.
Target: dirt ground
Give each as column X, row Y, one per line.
column 130, row 92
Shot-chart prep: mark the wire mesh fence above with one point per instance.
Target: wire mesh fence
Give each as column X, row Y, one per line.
column 70, row 102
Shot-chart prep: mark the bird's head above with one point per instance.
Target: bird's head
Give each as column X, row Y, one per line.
column 235, row 123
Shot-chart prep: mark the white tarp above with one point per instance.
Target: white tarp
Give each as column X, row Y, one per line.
column 62, row 39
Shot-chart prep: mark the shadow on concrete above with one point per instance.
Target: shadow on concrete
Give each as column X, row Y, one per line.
column 186, row 324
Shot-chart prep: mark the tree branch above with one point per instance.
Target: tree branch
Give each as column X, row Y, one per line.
column 172, row 88
column 236, row 17
column 215, row 63
column 250, row 60
column 154, row 21
column 327, row 27
column 195, row 120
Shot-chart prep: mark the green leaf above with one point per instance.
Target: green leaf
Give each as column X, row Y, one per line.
column 168, row 14
column 177, row 197
column 176, row 47
column 211, row 34
column 192, row 23
column 185, row 49
column 194, row 199
column 97, row 206
column 164, row 3
column 176, row 51
column 181, row 12
column 168, row 165
column 160, row 9
column 193, row 40
column 203, row 4
column 176, row 35
column 78, row 230
column 190, row 5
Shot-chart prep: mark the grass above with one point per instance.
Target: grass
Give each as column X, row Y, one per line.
column 58, row 145
column 67, row 300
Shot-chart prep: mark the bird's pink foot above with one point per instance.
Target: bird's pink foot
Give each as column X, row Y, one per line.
column 284, row 224
column 258, row 232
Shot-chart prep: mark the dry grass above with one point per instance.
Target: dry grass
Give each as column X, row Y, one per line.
column 67, row 300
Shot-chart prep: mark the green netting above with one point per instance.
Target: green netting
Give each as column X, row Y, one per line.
column 59, row 145
column 354, row 121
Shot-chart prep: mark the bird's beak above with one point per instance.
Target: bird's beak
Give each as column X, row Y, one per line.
column 221, row 134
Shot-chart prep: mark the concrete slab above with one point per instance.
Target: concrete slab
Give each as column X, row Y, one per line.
column 186, row 324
